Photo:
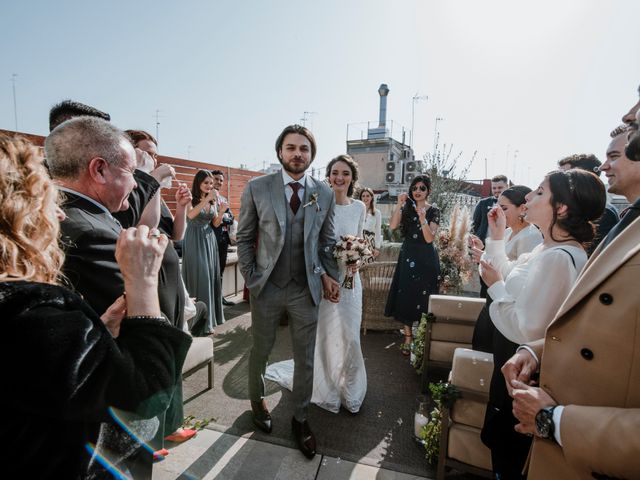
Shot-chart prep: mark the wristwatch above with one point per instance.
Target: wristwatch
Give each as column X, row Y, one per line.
column 544, row 422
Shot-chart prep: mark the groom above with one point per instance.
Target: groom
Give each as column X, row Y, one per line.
column 285, row 250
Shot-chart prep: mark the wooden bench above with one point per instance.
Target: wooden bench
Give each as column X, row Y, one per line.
column 200, row 355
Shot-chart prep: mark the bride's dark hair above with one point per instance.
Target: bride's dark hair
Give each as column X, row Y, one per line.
column 584, row 196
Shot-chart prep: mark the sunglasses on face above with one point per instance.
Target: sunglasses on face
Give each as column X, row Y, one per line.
column 422, row 188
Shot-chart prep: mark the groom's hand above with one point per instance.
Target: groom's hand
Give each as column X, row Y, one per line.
column 331, row 288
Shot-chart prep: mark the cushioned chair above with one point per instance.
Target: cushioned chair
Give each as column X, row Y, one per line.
column 200, row 355
column 460, row 444
column 376, row 280
column 451, row 328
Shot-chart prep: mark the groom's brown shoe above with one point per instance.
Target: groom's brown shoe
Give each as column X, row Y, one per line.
column 261, row 416
column 304, row 437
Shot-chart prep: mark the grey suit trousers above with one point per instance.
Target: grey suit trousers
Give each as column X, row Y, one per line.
column 267, row 309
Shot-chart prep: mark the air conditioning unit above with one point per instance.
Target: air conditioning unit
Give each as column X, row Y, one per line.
column 394, row 172
column 409, row 176
column 411, row 170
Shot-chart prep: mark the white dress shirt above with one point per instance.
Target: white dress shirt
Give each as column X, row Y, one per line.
column 288, row 191
column 534, row 287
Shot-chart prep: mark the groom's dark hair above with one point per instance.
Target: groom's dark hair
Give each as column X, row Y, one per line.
column 299, row 129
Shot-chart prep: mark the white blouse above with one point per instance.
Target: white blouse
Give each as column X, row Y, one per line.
column 535, row 286
column 373, row 223
column 522, row 242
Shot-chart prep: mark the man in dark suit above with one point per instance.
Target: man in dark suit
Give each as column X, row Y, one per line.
column 222, row 231
column 590, row 163
column 480, row 223
column 94, row 165
column 480, row 226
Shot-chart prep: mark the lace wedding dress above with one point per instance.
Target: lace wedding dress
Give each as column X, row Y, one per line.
column 339, row 375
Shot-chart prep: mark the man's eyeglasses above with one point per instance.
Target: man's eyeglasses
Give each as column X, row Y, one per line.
column 422, row 188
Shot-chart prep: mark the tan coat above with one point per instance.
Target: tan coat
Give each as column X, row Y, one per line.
column 591, row 364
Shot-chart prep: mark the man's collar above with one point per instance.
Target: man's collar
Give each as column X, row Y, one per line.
column 82, row 195
column 286, row 178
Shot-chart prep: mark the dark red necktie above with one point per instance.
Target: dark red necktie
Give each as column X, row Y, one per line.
column 295, row 199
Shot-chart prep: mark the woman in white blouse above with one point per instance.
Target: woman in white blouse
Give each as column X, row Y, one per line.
column 527, row 292
column 373, row 221
column 520, row 237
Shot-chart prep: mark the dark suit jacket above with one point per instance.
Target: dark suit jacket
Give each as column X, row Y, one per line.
column 89, row 236
column 480, row 222
column 605, row 223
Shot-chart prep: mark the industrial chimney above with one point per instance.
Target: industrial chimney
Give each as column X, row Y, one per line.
column 383, row 91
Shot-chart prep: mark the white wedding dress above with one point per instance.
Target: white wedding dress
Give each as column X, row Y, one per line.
column 339, row 375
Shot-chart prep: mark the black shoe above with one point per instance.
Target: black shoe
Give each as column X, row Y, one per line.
column 261, row 416
column 227, row 303
column 304, row 437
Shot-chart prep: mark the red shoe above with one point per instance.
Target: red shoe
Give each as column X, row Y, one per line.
column 160, row 454
column 181, row 435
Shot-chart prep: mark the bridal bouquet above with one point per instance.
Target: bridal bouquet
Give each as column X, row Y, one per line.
column 352, row 251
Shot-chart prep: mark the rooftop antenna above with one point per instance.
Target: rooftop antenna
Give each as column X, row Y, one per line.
column 414, row 99
column 306, row 116
column 15, row 107
column 158, row 116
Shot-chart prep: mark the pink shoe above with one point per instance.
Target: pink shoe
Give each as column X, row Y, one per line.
column 181, row 435
column 160, row 454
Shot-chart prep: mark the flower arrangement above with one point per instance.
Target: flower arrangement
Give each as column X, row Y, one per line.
column 455, row 263
column 417, row 346
column 352, row 251
column 443, row 396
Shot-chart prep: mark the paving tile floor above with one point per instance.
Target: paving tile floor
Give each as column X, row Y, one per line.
column 223, row 456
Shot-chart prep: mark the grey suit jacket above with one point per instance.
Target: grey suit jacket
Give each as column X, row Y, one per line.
column 262, row 226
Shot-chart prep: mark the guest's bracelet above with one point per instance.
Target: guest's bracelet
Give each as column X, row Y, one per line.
column 145, row 317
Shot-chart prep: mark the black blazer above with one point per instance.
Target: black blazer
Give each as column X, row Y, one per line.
column 89, row 236
column 74, row 371
column 480, row 222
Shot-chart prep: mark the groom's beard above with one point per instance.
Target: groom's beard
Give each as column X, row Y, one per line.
column 295, row 165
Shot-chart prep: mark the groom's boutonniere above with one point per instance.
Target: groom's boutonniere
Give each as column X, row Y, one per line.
column 313, row 200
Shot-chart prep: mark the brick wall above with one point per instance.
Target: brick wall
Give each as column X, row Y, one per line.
column 235, row 178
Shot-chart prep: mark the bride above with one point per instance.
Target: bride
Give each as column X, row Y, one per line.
column 339, row 376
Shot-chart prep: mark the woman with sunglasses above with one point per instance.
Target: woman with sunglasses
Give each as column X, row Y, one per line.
column 416, row 275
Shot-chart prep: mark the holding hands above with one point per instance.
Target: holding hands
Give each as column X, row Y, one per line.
column 330, row 288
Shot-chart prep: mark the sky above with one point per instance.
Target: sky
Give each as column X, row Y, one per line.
column 522, row 84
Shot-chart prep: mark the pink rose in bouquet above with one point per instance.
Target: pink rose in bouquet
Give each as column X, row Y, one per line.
column 352, row 251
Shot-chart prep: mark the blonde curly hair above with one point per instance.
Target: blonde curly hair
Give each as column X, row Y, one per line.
column 29, row 228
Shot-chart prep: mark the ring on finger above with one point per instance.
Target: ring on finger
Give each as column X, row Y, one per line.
column 155, row 233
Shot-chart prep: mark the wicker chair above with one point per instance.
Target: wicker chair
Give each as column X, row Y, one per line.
column 376, row 280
